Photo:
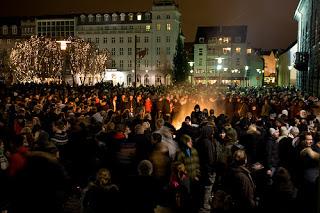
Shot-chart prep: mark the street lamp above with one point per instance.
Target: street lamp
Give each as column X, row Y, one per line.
column 63, row 46
column 191, row 63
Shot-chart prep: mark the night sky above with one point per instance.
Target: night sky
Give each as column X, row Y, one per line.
column 270, row 22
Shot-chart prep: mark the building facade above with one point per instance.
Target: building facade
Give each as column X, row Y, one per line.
column 151, row 35
column 221, row 55
column 307, row 59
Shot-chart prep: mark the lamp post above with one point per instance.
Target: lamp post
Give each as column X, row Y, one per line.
column 219, row 68
column 246, row 75
column 191, row 63
column 63, row 46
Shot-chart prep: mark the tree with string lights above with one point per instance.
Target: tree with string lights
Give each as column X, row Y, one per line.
column 36, row 60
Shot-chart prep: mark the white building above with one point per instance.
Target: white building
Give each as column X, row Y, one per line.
column 155, row 31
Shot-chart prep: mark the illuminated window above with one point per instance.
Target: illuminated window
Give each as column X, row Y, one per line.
column 201, row 40
column 148, row 28
column 238, row 50
column 139, row 16
column 226, row 50
column 158, row 27
column 249, row 51
column 226, row 40
column 168, row 27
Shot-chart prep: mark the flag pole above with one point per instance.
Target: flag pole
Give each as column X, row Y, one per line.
column 135, row 61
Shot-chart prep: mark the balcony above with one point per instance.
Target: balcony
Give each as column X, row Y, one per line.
column 301, row 62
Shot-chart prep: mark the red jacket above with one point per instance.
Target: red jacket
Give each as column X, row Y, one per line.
column 17, row 161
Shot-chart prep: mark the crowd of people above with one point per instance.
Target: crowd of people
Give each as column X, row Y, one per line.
column 184, row 148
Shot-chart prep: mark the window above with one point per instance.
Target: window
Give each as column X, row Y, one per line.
column 121, row 51
column 106, row 17
column 158, row 39
column 238, row 50
column 82, row 18
column 158, row 27
column 114, row 17
column 14, row 30
column 238, row 39
column 158, row 79
column 158, row 50
column 105, row 40
column 226, row 40
column 113, row 64
column 121, row 40
column 139, row 17
column 130, row 17
column 249, row 51
column 146, row 63
column 168, row 39
column 89, row 40
column 226, row 50
column 113, row 51
column 5, row 30
column 146, row 79
column 129, row 63
column 168, row 27
column 122, row 17
column 168, row 16
column 148, row 28
column 200, row 51
column 158, row 63
column 90, row 18
column 129, row 51
column 129, row 39
column 138, row 63
column 113, row 40
column 98, row 18
column 121, row 64
column 168, row 50
column 97, row 40
column 147, row 51
column 129, row 79
column 147, row 16
column 200, row 61
column 138, row 39
column 158, row 17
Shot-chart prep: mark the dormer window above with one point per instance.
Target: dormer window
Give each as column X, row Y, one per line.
column 122, row 17
column 98, row 18
column 130, row 17
column 14, row 30
column 106, row 17
column 139, row 16
column 83, row 18
column 90, row 18
column 114, row 17
column 5, row 30
column 147, row 16
column 168, row 16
